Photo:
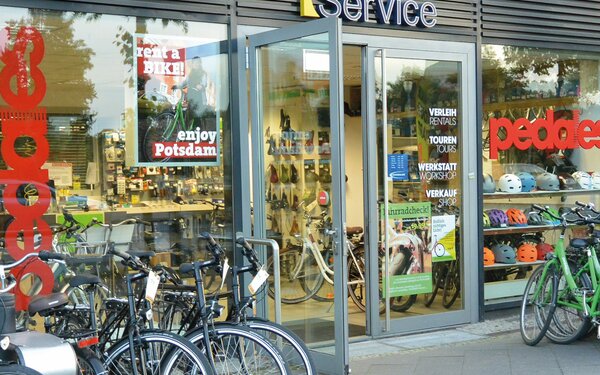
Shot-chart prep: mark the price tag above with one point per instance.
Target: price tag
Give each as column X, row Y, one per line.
column 152, row 286
column 224, row 273
column 258, row 281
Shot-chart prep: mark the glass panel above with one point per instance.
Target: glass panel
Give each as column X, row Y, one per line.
column 294, row 85
column 419, row 169
column 88, row 105
column 552, row 98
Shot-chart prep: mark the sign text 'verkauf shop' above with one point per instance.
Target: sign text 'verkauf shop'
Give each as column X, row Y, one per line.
column 543, row 133
column 390, row 12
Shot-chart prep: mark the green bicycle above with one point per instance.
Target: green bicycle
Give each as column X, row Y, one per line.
column 559, row 300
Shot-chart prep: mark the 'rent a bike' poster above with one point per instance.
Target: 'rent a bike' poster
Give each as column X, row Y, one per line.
column 177, row 111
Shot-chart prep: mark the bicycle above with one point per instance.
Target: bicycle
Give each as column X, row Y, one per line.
column 231, row 349
column 541, row 296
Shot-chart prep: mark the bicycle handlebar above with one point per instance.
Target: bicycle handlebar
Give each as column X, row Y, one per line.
column 249, row 253
column 43, row 255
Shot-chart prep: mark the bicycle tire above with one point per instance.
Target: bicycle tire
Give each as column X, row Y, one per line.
column 325, row 293
column 236, row 349
column 88, row 363
column 293, row 349
column 299, row 288
column 439, row 274
column 156, row 132
column 569, row 324
column 14, row 369
column 451, row 289
column 536, row 315
column 176, row 351
column 357, row 292
column 402, row 303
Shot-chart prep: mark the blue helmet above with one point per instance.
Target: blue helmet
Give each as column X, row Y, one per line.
column 527, row 181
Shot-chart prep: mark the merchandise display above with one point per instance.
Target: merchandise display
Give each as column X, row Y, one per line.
column 489, row 186
column 516, row 217
column 504, row 253
column 527, row 252
column 547, row 181
column 584, row 179
column 497, row 217
column 509, row 183
column 527, row 182
column 488, row 257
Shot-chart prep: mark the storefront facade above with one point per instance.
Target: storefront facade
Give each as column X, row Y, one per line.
column 300, row 121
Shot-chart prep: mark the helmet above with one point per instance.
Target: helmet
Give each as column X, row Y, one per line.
column 497, row 217
column 486, row 220
column 489, row 186
column 534, row 217
column 543, row 249
column 596, row 180
column 527, row 181
column 509, row 183
column 583, row 179
column 527, row 252
column 488, row 257
column 547, row 181
column 504, row 253
column 567, row 182
column 549, row 219
column 516, row 217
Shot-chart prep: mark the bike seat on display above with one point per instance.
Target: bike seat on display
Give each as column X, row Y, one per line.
column 351, row 231
column 84, row 279
column 44, row 304
column 580, row 243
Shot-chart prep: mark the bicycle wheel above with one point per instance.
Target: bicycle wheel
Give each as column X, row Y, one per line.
column 239, row 350
column 17, row 370
column 301, row 277
column 157, row 352
column 356, row 277
column 402, row 303
column 538, row 304
column 157, row 132
column 439, row 275
column 88, row 363
column 295, row 353
column 568, row 323
column 325, row 292
column 451, row 289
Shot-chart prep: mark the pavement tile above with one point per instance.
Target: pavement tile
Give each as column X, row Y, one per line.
column 581, row 370
column 388, row 370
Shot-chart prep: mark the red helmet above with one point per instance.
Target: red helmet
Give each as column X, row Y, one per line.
column 516, row 217
column 527, row 253
column 488, row 257
column 543, row 249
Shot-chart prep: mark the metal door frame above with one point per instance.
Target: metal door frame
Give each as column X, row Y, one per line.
column 338, row 362
column 465, row 53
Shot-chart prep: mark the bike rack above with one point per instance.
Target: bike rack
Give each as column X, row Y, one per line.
column 276, row 272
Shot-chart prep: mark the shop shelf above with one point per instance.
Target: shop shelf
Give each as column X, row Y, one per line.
column 540, row 193
column 518, row 264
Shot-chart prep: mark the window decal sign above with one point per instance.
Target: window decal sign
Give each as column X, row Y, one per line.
column 408, row 235
column 177, row 121
column 543, row 134
column 23, row 117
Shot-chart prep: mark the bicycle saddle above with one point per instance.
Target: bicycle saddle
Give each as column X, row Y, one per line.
column 351, row 231
column 84, row 279
column 580, row 243
column 44, row 304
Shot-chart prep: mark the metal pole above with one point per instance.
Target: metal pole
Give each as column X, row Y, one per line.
column 276, row 272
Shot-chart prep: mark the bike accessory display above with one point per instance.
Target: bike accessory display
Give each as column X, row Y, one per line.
column 497, row 217
column 527, row 182
column 567, row 182
column 274, row 178
column 516, row 217
column 504, row 253
column 294, row 174
column 583, row 179
column 596, row 180
column 509, row 183
column 551, row 216
column 547, row 181
column 534, row 218
column 543, row 249
column 488, row 257
column 284, row 176
column 489, row 186
column 527, row 252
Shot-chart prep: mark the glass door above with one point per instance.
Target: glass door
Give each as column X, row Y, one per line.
column 421, row 113
column 297, row 112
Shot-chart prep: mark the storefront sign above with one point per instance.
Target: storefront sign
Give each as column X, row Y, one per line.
column 407, row 230
column 443, row 233
column 543, row 134
column 23, row 87
column 177, row 123
column 390, row 12
column 437, row 171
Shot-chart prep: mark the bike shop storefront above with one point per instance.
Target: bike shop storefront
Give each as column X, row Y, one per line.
column 361, row 146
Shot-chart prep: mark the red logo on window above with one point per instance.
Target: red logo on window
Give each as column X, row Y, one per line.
column 553, row 132
column 23, row 86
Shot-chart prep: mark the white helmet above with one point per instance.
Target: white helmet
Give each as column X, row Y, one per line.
column 596, row 180
column 583, row 179
column 509, row 183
